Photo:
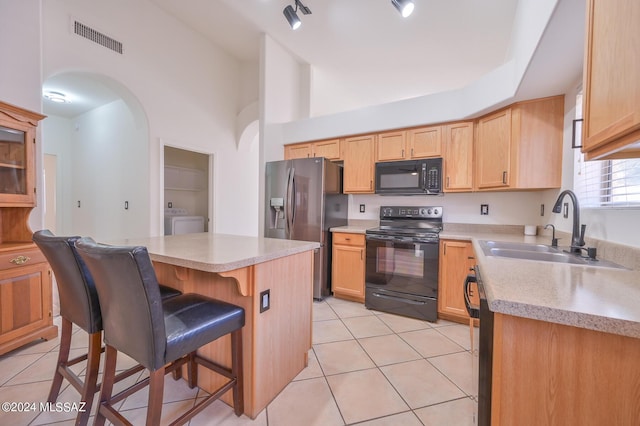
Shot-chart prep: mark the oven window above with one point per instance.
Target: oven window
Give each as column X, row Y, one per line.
column 404, row 180
column 400, row 261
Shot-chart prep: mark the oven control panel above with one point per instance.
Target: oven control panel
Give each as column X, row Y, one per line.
column 426, row 212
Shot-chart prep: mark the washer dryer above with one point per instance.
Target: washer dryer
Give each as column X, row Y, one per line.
column 178, row 221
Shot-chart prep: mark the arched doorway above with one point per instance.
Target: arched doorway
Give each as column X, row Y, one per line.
column 100, row 143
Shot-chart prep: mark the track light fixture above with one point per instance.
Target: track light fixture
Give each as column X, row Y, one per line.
column 405, row 7
column 291, row 15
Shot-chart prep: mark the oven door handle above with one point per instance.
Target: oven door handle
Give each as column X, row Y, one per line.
column 400, row 239
column 409, row 301
column 472, row 309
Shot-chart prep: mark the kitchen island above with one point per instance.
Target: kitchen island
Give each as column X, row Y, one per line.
column 241, row 270
column 566, row 339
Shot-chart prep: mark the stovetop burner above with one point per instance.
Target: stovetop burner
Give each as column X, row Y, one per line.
column 409, row 220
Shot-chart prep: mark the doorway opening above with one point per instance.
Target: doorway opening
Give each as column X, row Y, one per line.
column 187, row 177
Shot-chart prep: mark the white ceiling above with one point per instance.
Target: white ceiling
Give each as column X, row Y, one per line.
column 363, row 48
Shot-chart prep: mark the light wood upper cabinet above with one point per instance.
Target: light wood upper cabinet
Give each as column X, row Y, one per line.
column 425, row 142
column 359, row 166
column 520, row 147
column 456, row 260
column 348, row 263
column 493, row 162
column 458, row 157
column 611, row 127
column 391, row 146
column 301, row 150
column 329, row 149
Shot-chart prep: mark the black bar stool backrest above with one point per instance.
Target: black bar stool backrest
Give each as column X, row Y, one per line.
column 132, row 313
column 78, row 296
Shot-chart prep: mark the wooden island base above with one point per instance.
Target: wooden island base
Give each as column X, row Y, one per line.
column 275, row 342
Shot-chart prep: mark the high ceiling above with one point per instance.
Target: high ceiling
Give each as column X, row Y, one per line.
column 364, row 49
column 365, row 52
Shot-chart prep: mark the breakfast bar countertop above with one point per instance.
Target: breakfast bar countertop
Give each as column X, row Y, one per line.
column 596, row 298
column 216, row 252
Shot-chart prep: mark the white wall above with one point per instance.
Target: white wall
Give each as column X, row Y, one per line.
column 189, row 95
column 57, row 133
column 20, row 71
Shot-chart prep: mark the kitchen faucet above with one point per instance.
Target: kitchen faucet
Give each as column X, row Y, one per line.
column 577, row 236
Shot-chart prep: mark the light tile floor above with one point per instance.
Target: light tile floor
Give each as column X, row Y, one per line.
column 366, row 367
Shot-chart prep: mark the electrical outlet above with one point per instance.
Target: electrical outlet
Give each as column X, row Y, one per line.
column 565, row 209
column 169, row 204
column 361, row 208
column 265, row 300
column 484, row 209
column 541, row 209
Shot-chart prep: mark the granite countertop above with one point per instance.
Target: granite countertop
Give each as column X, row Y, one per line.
column 596, row 298
column 356, row 226
column 217, row 252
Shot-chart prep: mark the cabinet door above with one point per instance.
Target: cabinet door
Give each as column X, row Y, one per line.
column 493, row 150
column 348, row 272
column 611, row 83
column 425, row 142
column 458, row 157
column 391, row 146
column 25, row 306
column 328, row 149
column 456, row 260
column 359, row 164
column 297, row 151
column 17, row 152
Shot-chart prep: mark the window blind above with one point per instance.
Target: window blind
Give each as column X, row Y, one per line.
column 608, row 183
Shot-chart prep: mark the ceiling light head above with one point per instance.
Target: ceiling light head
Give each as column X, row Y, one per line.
column 292, row 17
column 405, row 7
column 57, row 97
column 304, row 9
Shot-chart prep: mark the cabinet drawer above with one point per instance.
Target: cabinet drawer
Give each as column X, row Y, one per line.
column 348, row 239
column 18, row 258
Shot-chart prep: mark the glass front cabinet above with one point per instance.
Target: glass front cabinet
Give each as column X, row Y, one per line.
column 25, row 276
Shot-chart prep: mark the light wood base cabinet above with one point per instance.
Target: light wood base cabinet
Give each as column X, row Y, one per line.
column 347, row 264
column 456, row 261
column 25, row 297
column 552, row 374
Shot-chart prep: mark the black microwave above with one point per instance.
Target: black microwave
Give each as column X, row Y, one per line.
column 410, row 177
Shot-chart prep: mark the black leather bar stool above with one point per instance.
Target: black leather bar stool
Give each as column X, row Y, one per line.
column 78, row 305
column 162, row 336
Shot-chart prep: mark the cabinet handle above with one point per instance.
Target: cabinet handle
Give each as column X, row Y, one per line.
column 402, row 153
column 504, row 178
column 20, row 260
column 411, row 152
column 371, row 184
column 447, row 181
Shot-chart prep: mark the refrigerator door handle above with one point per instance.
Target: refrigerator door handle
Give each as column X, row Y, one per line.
column 293, row 197
column 289, row 208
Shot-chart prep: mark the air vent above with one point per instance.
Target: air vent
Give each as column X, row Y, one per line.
column 97, row 37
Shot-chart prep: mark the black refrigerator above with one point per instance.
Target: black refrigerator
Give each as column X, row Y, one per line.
column 304, row 200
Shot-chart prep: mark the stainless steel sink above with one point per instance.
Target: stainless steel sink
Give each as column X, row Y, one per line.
column 517, row 246
column 540, row 252
column 547, row 256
